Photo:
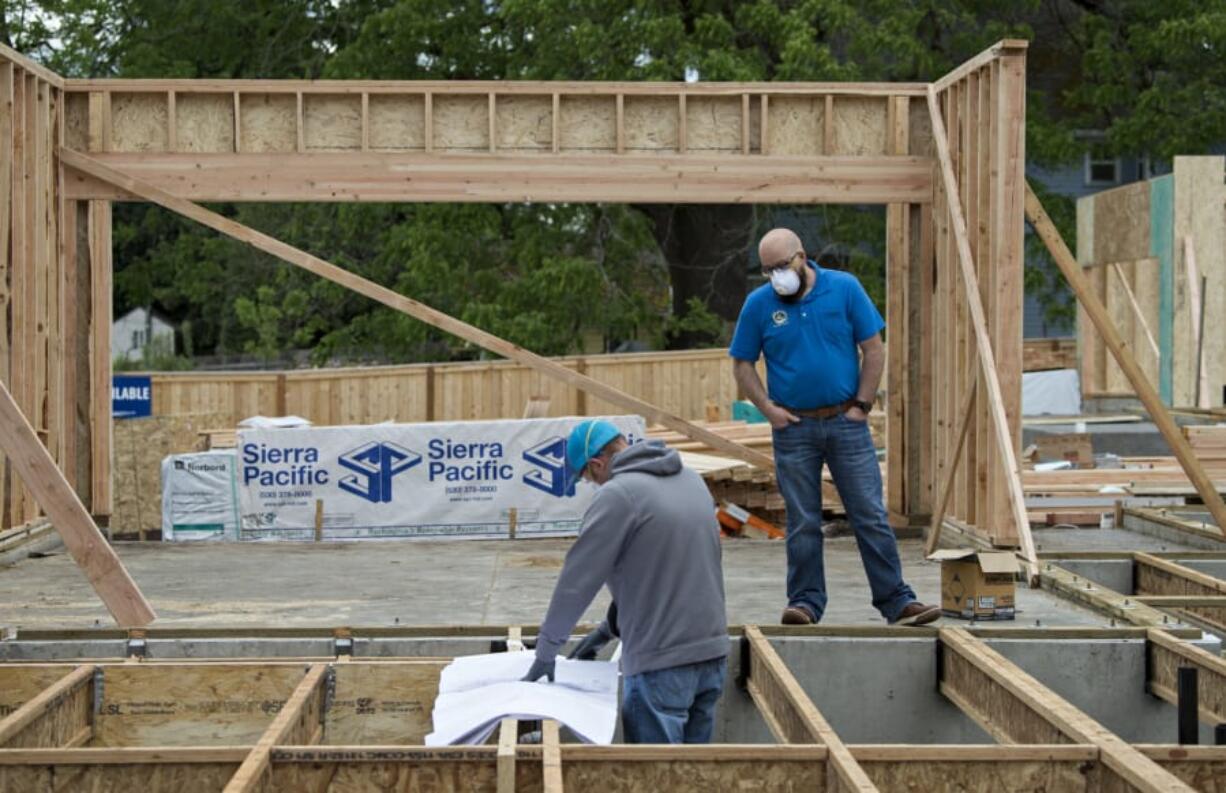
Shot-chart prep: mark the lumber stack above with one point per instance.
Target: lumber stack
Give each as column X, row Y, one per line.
column 1208, row 441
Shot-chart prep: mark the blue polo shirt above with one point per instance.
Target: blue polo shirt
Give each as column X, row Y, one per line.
column 811, row 355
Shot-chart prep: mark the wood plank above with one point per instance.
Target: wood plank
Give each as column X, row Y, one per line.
column 55, row 717
column 551, row 757
column 296, row 723
column 508, row 738
column 81, row 536
column 1013, row 705
column 784, row 699
column 379, row 176
column 987, row 361
column 414, row 308
column 8, row 266
column 1155, row 576
column 1123, row 356
column 1167, row 654
column 100, row 356
column 938, row 515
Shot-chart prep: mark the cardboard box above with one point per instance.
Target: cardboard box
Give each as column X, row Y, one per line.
column 977, row 584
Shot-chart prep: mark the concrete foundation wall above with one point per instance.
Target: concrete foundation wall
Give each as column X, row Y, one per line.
column 878, row 690
column 1105, row 679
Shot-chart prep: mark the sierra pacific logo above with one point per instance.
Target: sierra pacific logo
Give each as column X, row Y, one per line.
column 549, row 474
column 374, row 466
column 780, row 318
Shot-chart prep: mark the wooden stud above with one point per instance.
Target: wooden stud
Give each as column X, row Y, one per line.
column 551, row 756
column 428, row 114
column 1000, row 421
column 556, row 121
column 299, row 123
column 1097, row 313
column 938, row 515
column 172, row 121
column 763, row 126
column 744, row 123
column 508, row 737
column 412, row 307
column 100, row 356
column 828, row 127
column 298, row 722
column 366, row 121
column 238, row 122
column 620, row 121
column 681, row 126
column 493, row 122
column 1201, row 391
column 88, row 547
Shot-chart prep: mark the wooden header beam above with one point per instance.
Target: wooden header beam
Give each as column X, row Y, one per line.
column 411, row 307
column 509, row 177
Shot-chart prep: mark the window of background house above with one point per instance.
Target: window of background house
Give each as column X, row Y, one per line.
column 1101, row 166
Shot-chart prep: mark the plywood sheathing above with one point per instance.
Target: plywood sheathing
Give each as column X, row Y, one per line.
column 205, row 123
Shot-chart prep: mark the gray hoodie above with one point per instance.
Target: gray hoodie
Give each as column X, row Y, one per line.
column 651, row 535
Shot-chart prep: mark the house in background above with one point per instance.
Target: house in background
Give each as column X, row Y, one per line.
column 132, row 332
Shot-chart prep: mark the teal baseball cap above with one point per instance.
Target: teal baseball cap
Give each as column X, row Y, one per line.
column 587, row 440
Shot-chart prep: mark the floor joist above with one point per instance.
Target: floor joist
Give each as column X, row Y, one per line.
column 792, row 715
column 1015, row 708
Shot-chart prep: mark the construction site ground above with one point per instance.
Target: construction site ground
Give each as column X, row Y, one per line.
column 504, row 582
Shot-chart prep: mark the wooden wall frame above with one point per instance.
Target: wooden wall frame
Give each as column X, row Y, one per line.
column 179, row 142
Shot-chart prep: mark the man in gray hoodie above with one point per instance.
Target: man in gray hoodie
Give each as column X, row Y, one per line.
column 651, row 535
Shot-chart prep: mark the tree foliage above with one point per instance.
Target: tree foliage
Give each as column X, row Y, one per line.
column 1150, row 75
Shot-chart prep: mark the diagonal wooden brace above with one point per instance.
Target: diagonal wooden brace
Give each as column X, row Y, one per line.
column 96, row 558
column 407, row 305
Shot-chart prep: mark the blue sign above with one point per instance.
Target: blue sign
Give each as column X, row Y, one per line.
column 131, row 396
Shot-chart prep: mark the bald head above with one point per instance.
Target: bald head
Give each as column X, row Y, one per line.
column 778, row 245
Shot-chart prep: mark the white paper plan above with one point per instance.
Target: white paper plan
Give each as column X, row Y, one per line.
column 475, row 692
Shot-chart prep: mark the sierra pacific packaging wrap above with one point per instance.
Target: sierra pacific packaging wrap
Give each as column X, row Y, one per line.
column 199, row 501
column 477, row 479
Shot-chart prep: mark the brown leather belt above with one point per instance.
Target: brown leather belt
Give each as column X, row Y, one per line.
column 821, row 413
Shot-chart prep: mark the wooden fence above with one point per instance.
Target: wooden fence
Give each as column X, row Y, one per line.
column 696, row 385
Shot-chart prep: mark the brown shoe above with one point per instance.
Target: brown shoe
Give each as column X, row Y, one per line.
column 917, row 613
column 797, row 615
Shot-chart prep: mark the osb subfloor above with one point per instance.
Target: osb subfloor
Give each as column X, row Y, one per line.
column 431, row 583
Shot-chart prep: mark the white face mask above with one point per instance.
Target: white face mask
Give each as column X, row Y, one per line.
column 785, row 281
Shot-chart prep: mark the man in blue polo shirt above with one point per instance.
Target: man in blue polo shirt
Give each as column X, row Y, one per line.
column 809, row 322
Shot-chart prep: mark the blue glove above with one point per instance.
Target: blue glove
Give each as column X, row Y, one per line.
column 538, row 670
column 591, row 644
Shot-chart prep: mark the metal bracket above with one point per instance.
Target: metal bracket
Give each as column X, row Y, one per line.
column 329, row 693
column 98, row 689
column 342, row 645
column 940, row 651
column 742, row 678
column 498, row 645
column 137, row 648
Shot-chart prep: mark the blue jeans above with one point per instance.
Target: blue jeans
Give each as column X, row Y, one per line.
column 847, row 447
column 673, row 705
